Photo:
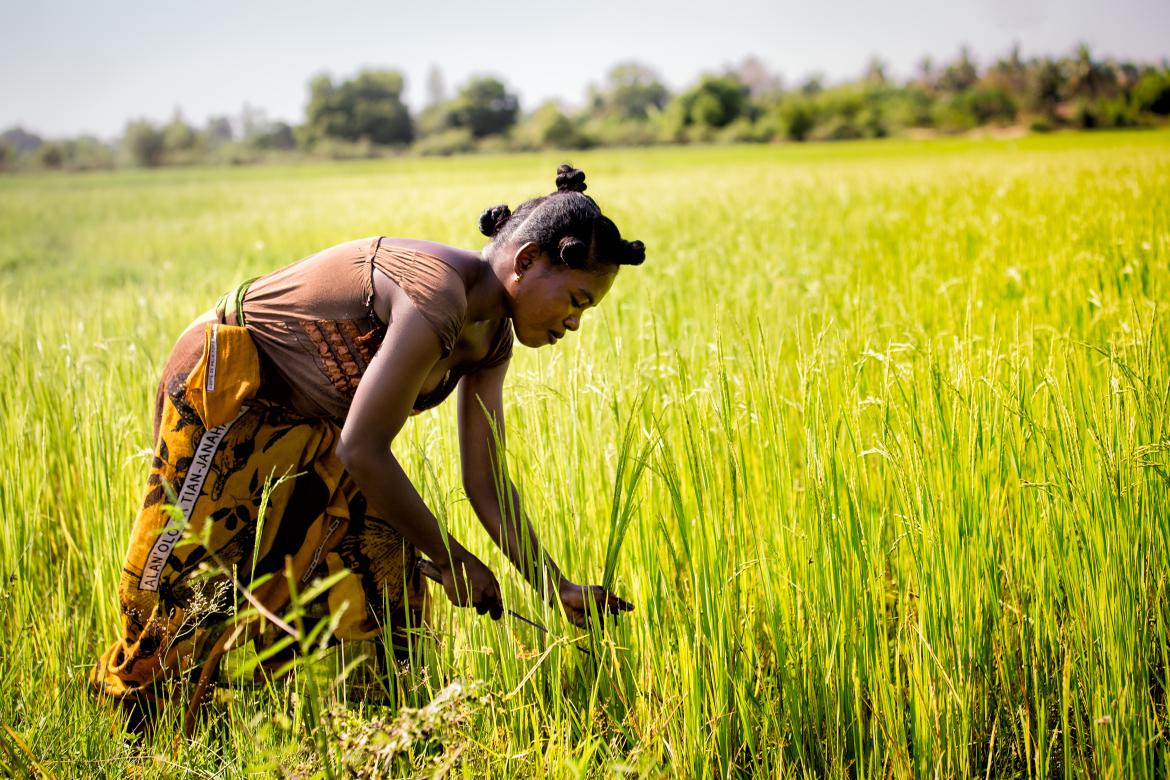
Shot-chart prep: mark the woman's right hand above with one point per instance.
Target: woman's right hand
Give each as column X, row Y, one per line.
column 468, row 582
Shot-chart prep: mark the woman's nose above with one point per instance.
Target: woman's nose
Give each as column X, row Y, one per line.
column 572, row 322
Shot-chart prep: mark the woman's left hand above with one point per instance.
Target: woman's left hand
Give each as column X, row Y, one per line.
column 582, row 601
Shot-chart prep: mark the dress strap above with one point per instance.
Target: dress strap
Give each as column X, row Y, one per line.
column 234, row 296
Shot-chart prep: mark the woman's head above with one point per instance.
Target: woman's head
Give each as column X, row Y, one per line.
column 562, row 255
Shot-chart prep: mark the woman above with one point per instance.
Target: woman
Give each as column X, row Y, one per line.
column 281, row 406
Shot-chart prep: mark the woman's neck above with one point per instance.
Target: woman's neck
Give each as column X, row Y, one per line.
column 487, row 296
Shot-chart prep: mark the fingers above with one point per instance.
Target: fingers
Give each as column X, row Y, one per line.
column 610, row 603
column 594, row 603
column 489, row 604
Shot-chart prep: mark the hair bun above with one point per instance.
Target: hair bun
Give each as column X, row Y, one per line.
column 573, row 251
column 493, row 218
column 635, row 253
column 570, row 179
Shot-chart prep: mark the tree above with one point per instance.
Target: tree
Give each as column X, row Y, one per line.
column 51, row 155
column 143, row 142
column 875, row 72
column 436, row 86
column 632, row 91
column 716, row 101
column 1044, row 86
column 218, row 131
column 549, row 128
column 273, row 135
column 1084, row 77
column 484, row 106
column 368, row 106
column 813, row 85
column 755, row 76
column 926, row 75
column 20, row 140
column 961, row 75
column 797, row 116
column 1152, row 92
column 178, row 136
column 1009, row 74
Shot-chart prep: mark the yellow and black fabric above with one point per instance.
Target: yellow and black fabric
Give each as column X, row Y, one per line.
column 218, row 446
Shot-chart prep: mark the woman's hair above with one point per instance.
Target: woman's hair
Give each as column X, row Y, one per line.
column 567, row 225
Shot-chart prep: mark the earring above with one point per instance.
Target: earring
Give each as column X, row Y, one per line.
column 517, row 275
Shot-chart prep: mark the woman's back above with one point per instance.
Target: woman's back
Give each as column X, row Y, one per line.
column 317, row 328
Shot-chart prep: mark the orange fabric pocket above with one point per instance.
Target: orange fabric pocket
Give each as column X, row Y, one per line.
column 227, row 374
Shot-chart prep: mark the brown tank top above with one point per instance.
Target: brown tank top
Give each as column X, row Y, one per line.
column 315, row 326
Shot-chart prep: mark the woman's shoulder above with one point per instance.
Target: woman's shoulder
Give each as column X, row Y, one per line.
column 434, row 277
column 462, row 261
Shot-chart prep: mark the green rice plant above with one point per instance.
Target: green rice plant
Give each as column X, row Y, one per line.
column 876, row 441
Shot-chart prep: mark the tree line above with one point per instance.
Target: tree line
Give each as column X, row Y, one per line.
column 365, row 115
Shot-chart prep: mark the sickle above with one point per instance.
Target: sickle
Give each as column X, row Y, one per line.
column 429, row 570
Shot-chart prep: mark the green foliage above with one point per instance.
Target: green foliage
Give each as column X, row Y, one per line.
column 366, row 117
column 368, row 106
column 87, row 153
column 1045, row 85
column 975, row 107
column 51, row 155
column 457, row 140
column 548, row 127
column 20, row 140
column 794, row 116
column 960, row 75
column 275, row 135
column 716, row 101
column 632, row 92
column 624, row 133
column 178, row 137
column 484, row 106
column 78, row 154
column 1152, row 92
column 144, row 143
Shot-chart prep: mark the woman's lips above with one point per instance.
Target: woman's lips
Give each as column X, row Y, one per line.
column 554, row 337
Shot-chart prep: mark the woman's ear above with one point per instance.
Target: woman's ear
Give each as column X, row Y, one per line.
column 526, row 256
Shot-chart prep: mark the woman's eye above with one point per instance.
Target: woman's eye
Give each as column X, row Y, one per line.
column 573, row 300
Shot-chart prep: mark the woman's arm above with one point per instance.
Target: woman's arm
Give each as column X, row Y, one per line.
column 384, row 399
column 485, row 476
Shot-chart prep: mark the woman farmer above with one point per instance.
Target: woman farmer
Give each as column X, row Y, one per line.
column 299, row 381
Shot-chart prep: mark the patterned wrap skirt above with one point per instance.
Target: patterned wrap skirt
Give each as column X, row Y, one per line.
column 241, row 488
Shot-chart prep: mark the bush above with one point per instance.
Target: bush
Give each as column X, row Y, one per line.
column 143, row 142
column 51, row 155
column 457, row 140
column 88, row 153
column 836, row 128
column 1105, row 113
column 625, row 133
column 793, row 118
column 742, row 130
column 695, row 115
column 338, row 149
column 549, row 128
column 1152, row 92
column 1041, row 124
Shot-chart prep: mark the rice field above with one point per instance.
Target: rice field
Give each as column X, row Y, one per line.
column 877, row 441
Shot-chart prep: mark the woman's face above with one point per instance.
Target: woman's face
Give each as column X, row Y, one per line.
column 548, row 300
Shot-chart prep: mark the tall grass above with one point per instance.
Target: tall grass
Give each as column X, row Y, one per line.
column 877, row 441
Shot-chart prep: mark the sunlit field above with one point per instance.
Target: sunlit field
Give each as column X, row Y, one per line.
column 877, row 440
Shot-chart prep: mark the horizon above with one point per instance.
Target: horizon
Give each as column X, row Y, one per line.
column 200, row 72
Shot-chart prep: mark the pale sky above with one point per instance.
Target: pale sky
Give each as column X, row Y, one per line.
column 73, row 66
